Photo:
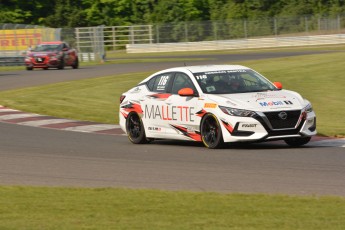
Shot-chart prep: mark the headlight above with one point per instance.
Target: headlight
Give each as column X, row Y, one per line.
column 308, row 108
column 237, row 112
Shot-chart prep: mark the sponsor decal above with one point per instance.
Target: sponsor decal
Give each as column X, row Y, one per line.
column 249, row 125
column 155, row 129
column 271, row 103
column 262, row 96
column 195, row 135
column 210, row 105
column 168, row 112
column 162, row 83
column 21, row 39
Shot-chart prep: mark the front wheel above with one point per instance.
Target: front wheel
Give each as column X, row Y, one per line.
column 75, row 64
column 62, row 64
column 297, row 141
column 135, row 129
column 211, row 132
column 29, row 68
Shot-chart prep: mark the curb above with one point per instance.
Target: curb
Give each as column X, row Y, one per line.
column 13, row 116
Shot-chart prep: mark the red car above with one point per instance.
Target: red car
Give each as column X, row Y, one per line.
column 55, row 54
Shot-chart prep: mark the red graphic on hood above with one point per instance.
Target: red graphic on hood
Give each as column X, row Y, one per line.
column 201, row 113
column 131, row 107
column 195, row 135
column 228, row 126
column 161, row 96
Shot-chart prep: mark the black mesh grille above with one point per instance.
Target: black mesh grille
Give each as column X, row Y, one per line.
column 289, row 122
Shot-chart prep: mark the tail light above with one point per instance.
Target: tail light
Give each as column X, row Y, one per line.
column 122, row 97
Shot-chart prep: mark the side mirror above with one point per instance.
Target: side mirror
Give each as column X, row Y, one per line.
column 186, row 92
column 278, row 85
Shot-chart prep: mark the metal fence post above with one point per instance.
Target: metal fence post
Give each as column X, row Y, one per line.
column 245, row 28
column 157, row 33
column 186, row 31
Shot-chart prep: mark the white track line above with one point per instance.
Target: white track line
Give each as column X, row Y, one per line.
column 45, row 122
column 92, row 128
column 16, row 116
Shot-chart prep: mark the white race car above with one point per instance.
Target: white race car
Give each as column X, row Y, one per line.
column 215, row 104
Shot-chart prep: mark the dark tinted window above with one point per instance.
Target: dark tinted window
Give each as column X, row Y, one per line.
column 160, row 82
column 181, row 81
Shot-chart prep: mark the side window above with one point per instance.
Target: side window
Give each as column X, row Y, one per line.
column 151, row 83
column 160, row 83
column 181, row 81
column 65, row 46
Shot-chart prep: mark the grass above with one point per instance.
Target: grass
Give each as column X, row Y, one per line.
column 108, row 208
column 319, row 78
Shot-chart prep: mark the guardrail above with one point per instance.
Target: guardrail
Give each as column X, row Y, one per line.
column 12, row 61
column 238, row 44
column 12, row 58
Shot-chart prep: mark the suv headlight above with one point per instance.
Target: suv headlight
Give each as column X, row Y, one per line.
column 308, row 108
column 237, row 112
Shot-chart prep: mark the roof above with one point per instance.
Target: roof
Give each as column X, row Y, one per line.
column 207, row 68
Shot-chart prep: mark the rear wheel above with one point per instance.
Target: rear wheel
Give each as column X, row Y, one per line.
column 135, row 129
column 297, row 141
column 211, row 133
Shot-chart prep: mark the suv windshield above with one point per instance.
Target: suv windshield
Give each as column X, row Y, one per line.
column 232, row 81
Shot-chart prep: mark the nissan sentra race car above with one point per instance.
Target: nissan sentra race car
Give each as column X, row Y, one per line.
column 55, row 54
column 215, row 104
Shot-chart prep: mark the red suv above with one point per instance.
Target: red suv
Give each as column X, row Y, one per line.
column 55, row 54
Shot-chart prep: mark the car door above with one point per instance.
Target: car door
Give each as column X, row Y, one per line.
column 182, row 111
column 154, row 107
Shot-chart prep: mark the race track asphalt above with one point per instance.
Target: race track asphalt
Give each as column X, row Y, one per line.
column 50, row 157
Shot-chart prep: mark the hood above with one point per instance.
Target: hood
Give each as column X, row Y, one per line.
column 261, row 101
column 42, row 53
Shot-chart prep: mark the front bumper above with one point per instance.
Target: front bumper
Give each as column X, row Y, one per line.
column 268, row 126
column 42, row 62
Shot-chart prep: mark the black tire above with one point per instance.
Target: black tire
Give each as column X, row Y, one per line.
column 62, row 64
column 297, row 141
column 29, row 68
column 135, row 129
column 76, row 64
column 211, row 132
column 45, row 68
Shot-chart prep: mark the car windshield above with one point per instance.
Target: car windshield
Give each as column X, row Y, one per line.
column 232, row 81
column 46, row 47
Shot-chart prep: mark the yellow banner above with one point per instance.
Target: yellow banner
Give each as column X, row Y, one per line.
column 22, row 39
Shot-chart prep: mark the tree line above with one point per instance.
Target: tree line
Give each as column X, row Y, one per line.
column 80, row 13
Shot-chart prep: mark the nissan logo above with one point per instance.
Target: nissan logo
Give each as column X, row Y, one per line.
column 282, row 115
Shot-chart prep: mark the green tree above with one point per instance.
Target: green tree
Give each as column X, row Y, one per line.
column 67, row 14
